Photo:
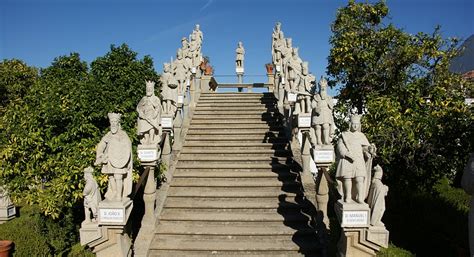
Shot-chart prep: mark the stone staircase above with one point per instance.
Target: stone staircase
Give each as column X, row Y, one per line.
column 235, row 190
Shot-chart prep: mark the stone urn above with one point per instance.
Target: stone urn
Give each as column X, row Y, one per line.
column 269, row 68
column 6, row 247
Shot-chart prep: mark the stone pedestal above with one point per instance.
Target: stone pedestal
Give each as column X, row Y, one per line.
column 352, row 215
column 7, row 213
column 271, row 85
column 378, row 236
column 114, row 212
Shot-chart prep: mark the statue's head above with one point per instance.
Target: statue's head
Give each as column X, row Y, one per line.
column 323, row 85
column 239, row 44
column 278, row 26
column 166, row 67
column 88, row 172
column 355, row 122
column 197, row 27
column 150, row 88
column 288, row 42
column 295, row 51
column 304, row 68
column 114, row 119
column 184, row 42
column 378, row 172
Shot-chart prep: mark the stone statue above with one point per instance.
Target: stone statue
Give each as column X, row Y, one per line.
column 239, row 58
column 5, row 200
column 195, row 48
column 114, row 153
column 277, row 37
column 198, row 33
column 149, row 116
column 355, row 155
column 322, row 118
column 286, row 54
column 170, row 90
column 376, row 198
column 305, row 89
column 467, row 184
column 180, row 72
column 91, row 195
column 294, row 69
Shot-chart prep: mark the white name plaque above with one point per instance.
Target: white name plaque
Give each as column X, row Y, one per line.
column 239, row 70
column 147, row 154
column 166, row 122
column 304, row 120
column 355, row 218
column 291, row 97
column 180, row 99
column 193, row 70
column 111, row 215
column 11, row 211
column 323, row 156
column 278, row 68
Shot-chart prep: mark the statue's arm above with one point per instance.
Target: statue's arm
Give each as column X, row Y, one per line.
column 100, row 152
column 87, row 189
column 342, row 150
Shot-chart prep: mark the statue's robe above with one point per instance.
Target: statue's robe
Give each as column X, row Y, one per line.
column 376, row 201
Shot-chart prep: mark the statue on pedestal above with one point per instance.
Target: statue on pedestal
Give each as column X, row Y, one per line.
column 169, row 90
column 198, row 33
column 305, row 88
column 5, row 200
column 376, row 198
column 239, row 58
column 195, row 48
column 355, row 162
column 91, row 195
column 149, row 117
column 114, row 154
column 294, row 69
column 180, row 72
column 277, row 41
column 322, row 118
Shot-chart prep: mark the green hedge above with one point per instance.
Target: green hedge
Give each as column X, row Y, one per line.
column 393, row 251
column 36, row 235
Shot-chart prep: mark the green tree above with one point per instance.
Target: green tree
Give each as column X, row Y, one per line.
column 52, row 132
column 15, row 79
column 415, row 111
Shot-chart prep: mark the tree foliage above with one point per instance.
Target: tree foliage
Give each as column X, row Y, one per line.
column 415, row 111
column 52, row 131
column 15, row 79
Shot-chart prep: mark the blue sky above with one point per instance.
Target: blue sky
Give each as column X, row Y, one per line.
column 37, row 31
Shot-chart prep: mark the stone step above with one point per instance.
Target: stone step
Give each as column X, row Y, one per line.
column 229, row 165
column 230, row 158
column 235, row 129
column 234, row 243
column 237, row 100
column 214, row 121
column 225, row 105
column 261, row 117
column 247, row 192
column 234, row 215
column 230, row 228
column 230, row 203
column 228, row 138
column 233, row 113
column 256, row 108
column 222, row 173
column 241, row 154
column 240, row 143
column 230, row 182
column 230, row 151
column 237, row 126
column 213, row 253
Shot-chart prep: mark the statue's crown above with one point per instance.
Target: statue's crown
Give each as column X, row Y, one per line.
column 356, row 118
column 114, row 116
column 150, row 83
column 323, row 83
